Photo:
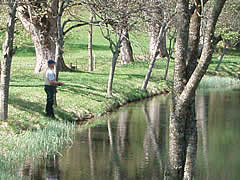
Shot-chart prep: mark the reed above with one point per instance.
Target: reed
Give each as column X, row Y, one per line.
column 216, row 82
column 32, row 145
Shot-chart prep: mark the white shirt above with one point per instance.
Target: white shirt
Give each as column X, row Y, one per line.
column 49, row 76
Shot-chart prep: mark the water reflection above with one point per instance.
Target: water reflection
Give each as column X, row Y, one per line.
column 133, row 143
column 202, row 118
column 47, row 169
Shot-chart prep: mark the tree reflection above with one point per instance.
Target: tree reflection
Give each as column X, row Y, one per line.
column 155, row 135
column 202, row 118
column 122, row 132
column 91, row 156
column 191, row 139
column 47, row 169
column 118, row 175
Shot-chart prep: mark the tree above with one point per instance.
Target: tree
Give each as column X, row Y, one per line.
column 228, row 27
column 113, row 15
column 40, row 20
column 8, row 52
column 154, row 27
column 90, row 39
column 187, row 76
column 164, row 23
column 126, row 47
column 172, row 42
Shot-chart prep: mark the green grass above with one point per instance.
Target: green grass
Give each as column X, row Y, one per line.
column 84, row 92
column 230, row 66
column 30, row 145
column 29, row 133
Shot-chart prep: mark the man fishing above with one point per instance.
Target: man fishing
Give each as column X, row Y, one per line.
column 50, row 88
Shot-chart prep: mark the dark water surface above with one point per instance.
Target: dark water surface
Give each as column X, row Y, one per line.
column 133, row 143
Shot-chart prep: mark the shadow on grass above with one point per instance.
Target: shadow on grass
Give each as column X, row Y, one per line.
column 106, row 74
column 84, row 91
column 33, row 107
column 27, row 85
column 25, row 51
column 73, row 46
column 215, row 62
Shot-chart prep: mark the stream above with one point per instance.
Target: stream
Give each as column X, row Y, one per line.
column 132, row 143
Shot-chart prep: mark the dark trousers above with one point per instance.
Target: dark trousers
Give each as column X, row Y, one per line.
column 50, row 91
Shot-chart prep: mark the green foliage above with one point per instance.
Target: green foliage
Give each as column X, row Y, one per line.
column 229, row 24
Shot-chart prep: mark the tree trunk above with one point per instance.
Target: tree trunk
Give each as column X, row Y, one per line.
column 45, row 48
column 90, row 50
column 191, row 122
column 154, row 30
column 191, row 135
column 8, row 53
column 221, row 57
column 44, row 32
column 177, row 143
column 154, row 57
column 60, row 64
column 170, row 51
column 44, row 38
column 126, row 48
column 182, row 120
column 112, row 70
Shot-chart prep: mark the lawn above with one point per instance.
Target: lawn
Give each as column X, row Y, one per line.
column 84, row 93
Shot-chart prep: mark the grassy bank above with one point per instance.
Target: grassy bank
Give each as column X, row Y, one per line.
column 16, row 149
column 28, row 133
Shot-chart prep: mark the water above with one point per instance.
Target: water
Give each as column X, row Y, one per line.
column 133, row 143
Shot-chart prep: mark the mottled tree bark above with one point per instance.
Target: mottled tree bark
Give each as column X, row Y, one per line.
column 126, row 48
column 153, row 32
column 177, row 144
column 60, row 65
column 191, row 122
column 44, row 32
column 8, row 52
column 182, row 134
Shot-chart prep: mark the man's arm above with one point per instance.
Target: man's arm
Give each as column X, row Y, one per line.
column 55, row 83
column 51, row 78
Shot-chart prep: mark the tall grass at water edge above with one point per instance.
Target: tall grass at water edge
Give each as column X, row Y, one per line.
column 30, row 145
column 218, row 83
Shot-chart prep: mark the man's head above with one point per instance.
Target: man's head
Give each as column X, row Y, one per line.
column 51, row 63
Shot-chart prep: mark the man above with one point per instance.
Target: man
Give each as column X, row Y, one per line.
column 50, row 88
